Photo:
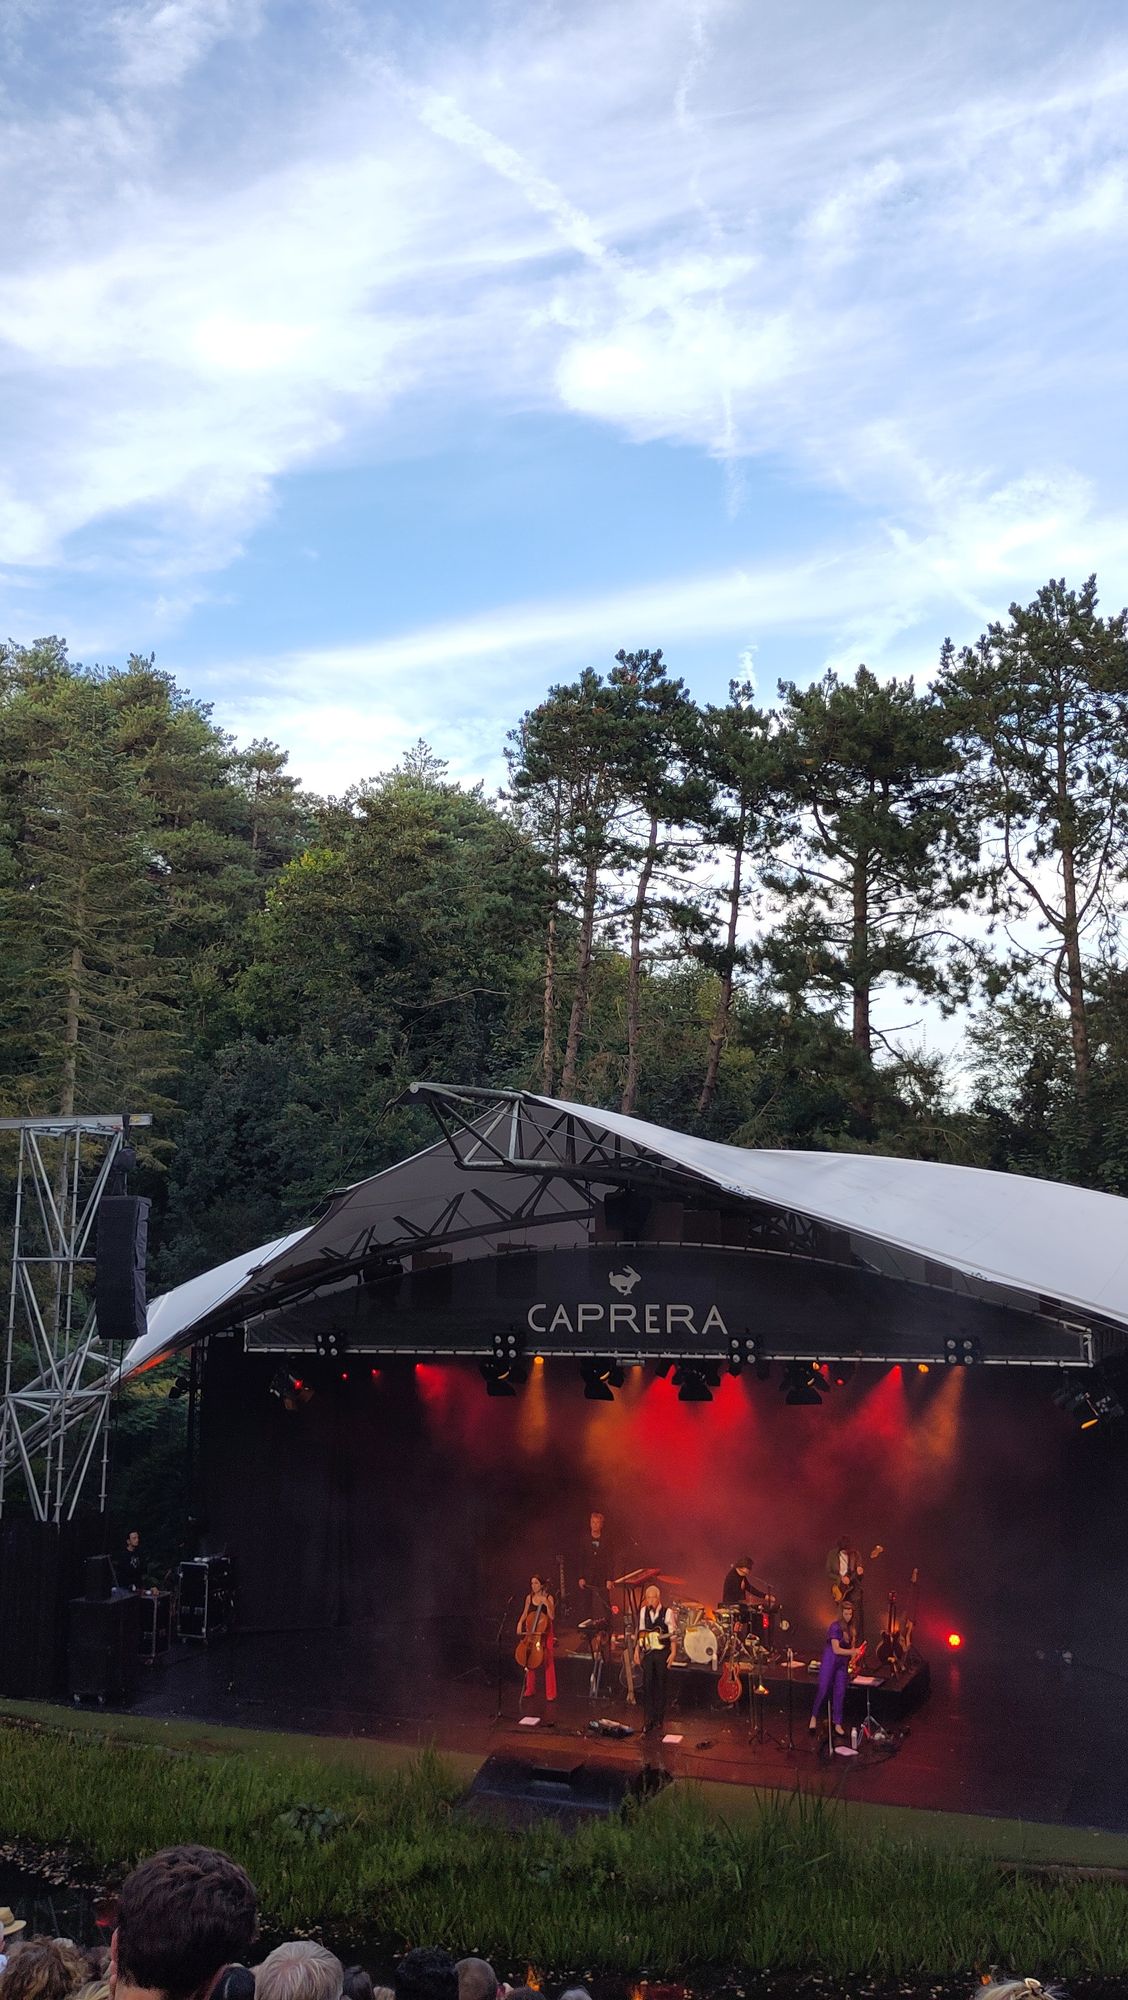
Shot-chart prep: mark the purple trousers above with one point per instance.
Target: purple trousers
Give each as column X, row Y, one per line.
column 832, row 1682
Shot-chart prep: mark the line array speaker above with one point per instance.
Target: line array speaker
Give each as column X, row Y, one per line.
column 119, row 1270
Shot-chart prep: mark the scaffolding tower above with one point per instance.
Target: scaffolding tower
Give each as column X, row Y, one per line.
column 58, row 1375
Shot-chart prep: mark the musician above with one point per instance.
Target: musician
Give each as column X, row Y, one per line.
column 840, row 1650
column 538, row 1621
column 595, row 1572
column 655, row 1646
column 738, row 1585
column 844, row 1569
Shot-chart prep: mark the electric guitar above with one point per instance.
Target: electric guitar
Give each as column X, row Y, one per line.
column 728, row 1680
column 845, row 1586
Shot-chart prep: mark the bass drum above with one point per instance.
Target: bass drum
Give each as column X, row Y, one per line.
column 699, row 1641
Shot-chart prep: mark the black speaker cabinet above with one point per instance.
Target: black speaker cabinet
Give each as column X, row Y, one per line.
column 205, row 1597
column 103, row 1654
column 516, row 1791
column 119, row 1268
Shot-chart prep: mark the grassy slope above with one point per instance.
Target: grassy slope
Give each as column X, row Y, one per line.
column 714, row 1873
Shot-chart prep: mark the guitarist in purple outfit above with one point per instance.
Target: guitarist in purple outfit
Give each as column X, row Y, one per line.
column 839, row 1653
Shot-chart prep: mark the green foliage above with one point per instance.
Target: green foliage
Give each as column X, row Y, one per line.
column 665, row 1888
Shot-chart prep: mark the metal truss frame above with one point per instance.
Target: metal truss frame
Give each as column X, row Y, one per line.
column 584, row 1153
column 54, row 1426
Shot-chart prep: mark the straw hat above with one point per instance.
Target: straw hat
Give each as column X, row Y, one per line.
column 9, row 1923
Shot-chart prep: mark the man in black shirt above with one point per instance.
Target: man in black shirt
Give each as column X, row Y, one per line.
column 130, row 1571
column 595, row 1593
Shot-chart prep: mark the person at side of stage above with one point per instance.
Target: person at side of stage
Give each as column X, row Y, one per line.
column 844, row 1568
column 656, row 1645
column 130, row 1568
column 538, row 1621
column 595, row 1571
column 841, row 1647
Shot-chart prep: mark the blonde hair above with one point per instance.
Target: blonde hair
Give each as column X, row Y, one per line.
column 42, row 1968
column 1014, row 1989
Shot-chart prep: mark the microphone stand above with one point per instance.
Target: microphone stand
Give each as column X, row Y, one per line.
column 509, row 1603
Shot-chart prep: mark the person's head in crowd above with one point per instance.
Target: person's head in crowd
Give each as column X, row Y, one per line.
column 237, row 1983
column 579, row 1992
column 95, row 1989
column 1018, row 1989
column 382, row 1993
column 183, row 1915
column 357, row 1984
column 302, row 1970
column 595, row 1524
column 477, row 1979
column 41, row 1968
column 426, row 1974
column 98, row 1962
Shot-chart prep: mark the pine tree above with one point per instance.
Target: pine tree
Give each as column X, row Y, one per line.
column 1039, row 707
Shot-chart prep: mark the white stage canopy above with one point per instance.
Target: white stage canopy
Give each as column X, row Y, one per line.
column 1010, row 1234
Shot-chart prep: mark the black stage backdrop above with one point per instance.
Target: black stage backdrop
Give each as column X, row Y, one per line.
column 406, row 1497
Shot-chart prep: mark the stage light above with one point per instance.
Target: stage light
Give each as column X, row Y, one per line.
column 962, row 1350
column 799, row 1384
column 601, row 1379
column 290, row 1390
column 922, row 1367
column 330, row 1343
column 178, row 1389
column 743, row 1351
column 693, row 1386
column 502, row 1378
column 843, row 1373
column 955, row 1641
column 1093, row 1401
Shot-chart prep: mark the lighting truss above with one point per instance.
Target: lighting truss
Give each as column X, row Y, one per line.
column 54, row 1424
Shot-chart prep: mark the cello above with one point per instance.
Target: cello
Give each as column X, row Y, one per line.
column 533, row 1627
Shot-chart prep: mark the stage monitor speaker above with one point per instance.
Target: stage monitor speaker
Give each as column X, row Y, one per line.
column 103, row 1653
column 517, row 1791
column 119, row 1269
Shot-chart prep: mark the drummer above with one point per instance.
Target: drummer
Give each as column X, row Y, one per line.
column 740, row 1588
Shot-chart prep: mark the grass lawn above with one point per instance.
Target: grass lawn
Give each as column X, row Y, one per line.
column 359, row 1838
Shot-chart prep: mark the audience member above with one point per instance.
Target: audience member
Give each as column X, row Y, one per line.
column 1018, row 1989
column 477, row 1979
column 426, row 1974
column 237, row 1983
column 183, row 1915
column 42, row 1968
column 358, row 1984
column 301, row 1970
column 94, row 1989
column 382, row 1993
column 575, row 1993
column 10, row 1927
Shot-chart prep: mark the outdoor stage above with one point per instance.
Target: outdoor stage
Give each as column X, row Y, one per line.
column 1019, row 1739
column 409, row 1407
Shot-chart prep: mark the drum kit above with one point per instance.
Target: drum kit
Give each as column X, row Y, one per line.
column 728, row 1640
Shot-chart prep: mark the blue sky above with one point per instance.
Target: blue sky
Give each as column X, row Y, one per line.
column 376, row 366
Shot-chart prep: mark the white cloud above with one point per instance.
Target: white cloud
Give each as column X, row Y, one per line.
column 834, row 236
column 462, row 683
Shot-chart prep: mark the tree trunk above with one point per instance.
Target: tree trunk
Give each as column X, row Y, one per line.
column 634, row 974
column 548, row 1048
column 860, row 974
column 718, row 1034
column 70, row 1034
column 1071, row 930
column 583, row 980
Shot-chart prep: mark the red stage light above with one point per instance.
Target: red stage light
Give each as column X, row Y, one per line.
column 374, row 1372
column 955, row 1641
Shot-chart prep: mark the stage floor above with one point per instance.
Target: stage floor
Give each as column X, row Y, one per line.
column 1012, row 1738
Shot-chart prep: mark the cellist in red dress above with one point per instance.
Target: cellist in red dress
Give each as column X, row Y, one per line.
column 536, row 1634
